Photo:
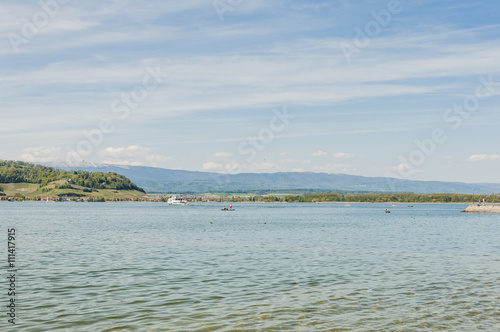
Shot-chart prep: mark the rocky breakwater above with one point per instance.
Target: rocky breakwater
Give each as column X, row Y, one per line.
column 483, row 209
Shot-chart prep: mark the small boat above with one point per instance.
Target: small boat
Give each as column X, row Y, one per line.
column 176, row 201
column 410, row 205
column 347, row 205
column 226, row 209
column 387, row 211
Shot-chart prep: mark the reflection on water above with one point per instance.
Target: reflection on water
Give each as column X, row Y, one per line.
column 281, row 267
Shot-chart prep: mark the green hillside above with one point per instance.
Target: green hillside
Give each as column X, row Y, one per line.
column 21, row 172
column 20, row 180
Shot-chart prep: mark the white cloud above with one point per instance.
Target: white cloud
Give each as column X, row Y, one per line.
column 400, row 167
column 263, row 80
column 68, row 25
column 222, row 154
column 133, row 155
column 213, row 167
column 299, row 170
column 319, row 154
column 483, row 157
column 343, row 155
column 42, row 154
column 124, row 162
column 129, row 151
column 289, row 76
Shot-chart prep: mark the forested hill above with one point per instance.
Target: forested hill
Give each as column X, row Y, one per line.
column 22, row 172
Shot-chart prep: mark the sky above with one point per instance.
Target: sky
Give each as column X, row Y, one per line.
column 406, row 89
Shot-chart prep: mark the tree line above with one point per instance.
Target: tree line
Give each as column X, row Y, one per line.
column 374, row 198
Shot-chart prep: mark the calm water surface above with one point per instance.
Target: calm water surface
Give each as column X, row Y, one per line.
column 269, row 267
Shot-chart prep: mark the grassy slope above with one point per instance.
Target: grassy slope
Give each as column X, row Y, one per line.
column 32, row 190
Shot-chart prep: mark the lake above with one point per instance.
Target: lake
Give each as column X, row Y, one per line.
column 263, row 267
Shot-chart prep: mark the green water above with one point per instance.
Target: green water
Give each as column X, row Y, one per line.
column 263, row 267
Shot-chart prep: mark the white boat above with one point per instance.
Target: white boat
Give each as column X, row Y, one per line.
column 173, row 200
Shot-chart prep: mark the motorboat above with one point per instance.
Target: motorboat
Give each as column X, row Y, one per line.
column 173, row 200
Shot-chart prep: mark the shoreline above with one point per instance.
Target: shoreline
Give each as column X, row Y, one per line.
column 244, row 202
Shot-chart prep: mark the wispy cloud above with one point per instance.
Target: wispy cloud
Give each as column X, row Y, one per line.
column 199, row 83
column 223, row 154
column 483, row 157
column 133, row 155
column 210, row 166
column 319, row 154
column 42, row 154
column 344, row 155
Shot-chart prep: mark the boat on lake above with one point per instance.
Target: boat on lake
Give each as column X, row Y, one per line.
column 173, row 200
column 226, row 209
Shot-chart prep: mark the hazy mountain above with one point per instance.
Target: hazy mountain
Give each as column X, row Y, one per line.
column 177, row 181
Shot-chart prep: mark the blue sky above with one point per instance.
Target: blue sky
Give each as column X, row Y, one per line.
column 374, row 88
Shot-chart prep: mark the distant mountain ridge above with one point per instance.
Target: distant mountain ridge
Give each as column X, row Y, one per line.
column 179, row 181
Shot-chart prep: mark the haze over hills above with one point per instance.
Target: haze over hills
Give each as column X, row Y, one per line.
column 179, row 181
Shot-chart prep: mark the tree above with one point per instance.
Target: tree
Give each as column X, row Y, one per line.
column 18, row 197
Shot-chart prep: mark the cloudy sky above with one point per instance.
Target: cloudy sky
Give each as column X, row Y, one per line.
column 408, row 89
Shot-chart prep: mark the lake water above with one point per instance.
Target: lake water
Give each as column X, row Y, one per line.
column 269, row 267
